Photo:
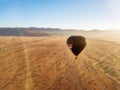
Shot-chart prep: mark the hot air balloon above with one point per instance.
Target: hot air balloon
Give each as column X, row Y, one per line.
column 76, row 44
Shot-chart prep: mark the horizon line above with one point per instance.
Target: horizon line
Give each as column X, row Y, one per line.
column 60, row 28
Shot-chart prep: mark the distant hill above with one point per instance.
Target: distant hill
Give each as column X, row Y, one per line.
column 22, row 32
column 32, row 31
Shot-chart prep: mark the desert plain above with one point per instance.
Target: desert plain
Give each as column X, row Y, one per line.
column 46, row 63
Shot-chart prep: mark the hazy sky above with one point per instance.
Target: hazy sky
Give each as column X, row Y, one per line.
column 76, row 14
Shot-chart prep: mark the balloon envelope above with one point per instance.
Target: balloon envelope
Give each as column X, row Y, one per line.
column 76, row 44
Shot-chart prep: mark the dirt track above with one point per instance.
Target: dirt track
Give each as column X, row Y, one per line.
column 46, row 63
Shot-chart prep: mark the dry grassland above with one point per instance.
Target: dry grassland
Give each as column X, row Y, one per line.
column 46, row 63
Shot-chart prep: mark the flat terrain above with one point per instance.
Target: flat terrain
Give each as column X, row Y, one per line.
column 46, row 63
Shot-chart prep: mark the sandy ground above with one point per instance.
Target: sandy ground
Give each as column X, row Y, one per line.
column 46, row 63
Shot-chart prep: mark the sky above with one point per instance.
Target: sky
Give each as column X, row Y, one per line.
column 66, row 14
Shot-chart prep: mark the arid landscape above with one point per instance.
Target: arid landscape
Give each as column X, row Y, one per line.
column 45, row 62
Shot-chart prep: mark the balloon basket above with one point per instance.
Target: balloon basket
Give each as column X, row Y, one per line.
column 76, row 57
